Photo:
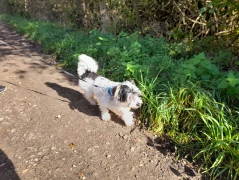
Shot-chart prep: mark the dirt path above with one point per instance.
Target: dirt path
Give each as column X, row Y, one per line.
column 42, row 113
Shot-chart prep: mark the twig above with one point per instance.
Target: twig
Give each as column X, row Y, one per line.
column 184, row 16
column 216, row 20
column 195, row 22
column 222, row 32
column 234, row 40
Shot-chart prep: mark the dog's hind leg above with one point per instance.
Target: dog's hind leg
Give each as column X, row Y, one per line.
column 104, row 113
column 90, row 98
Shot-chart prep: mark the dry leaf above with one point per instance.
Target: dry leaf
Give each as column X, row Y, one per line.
column 80, row 175
column 72, row 146
column 24, row 171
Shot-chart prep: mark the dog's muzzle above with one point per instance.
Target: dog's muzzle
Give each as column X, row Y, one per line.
column 138, row 104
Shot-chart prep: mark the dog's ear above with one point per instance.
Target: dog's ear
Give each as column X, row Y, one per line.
column 132, row 81
column 121, row 92
column 115, row 91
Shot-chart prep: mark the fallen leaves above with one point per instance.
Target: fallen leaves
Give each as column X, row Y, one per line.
column 24, row 171
column 72, row 146
column 81, row 176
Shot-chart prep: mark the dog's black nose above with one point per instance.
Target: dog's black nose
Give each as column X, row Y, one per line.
column 138, row 104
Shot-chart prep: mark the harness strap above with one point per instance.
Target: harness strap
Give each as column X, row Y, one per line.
column 110, row 91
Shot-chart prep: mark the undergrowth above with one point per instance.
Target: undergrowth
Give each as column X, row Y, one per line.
column 192, row 100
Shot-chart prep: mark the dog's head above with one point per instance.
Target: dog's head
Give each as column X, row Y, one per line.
column 129, row 94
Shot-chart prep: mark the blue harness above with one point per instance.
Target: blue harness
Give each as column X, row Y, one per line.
column 109, row 91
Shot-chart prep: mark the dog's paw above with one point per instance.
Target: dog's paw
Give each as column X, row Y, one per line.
column 106, row 117
column 128, row 119
column 129, row 122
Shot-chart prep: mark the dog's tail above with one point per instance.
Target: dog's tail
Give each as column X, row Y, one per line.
column 86, row 63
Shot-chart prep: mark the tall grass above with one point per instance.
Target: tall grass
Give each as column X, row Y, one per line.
column 199, row 125
column 194, row 113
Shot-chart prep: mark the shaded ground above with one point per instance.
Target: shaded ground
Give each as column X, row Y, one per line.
column 49, row 131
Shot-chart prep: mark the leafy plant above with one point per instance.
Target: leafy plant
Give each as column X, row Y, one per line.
column 197, row 68
column 230, row 83
column 200, row 69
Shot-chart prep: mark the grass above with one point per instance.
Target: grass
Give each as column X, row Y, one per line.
column 193, row 101
column 199, row 125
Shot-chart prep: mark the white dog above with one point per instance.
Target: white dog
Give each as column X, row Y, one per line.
column 115, row 96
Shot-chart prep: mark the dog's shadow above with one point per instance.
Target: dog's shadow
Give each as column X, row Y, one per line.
column 77, row 101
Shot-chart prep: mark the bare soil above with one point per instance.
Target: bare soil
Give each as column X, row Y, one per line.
column 49, row 131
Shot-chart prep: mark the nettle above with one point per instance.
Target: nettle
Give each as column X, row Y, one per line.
column 230, row 83
column 197, row 68
column 201, row 69
column 129, row 55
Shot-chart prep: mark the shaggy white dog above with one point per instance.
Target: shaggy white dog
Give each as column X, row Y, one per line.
column 115, row 96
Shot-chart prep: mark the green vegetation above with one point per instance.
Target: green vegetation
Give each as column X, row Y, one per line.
column 192, row 99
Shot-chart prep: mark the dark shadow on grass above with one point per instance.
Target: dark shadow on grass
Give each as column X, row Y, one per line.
column 7, row 170
column 167, row 147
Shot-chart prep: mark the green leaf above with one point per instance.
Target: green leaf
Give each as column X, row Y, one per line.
column 200, row 70
column 211, row 11
column 179, row 71
column 231, row 91
column 230, row 75
column 193, row 75
column 183, row 79
column 237, row 89
column 189, row 66
column 102, row 39
column 233, row 81
column 196, row 60
column 98, row 44
column 223, row 84
column 205, row 76
column 202, row 10
column 201, row 56
column 186, row 72
column 205, row 63
column 213, row 69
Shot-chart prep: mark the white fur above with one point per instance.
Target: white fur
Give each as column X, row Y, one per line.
column 86, row 63
column 96, row 91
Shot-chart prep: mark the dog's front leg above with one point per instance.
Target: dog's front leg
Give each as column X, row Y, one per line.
column 127, row 116
column 105, row 113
